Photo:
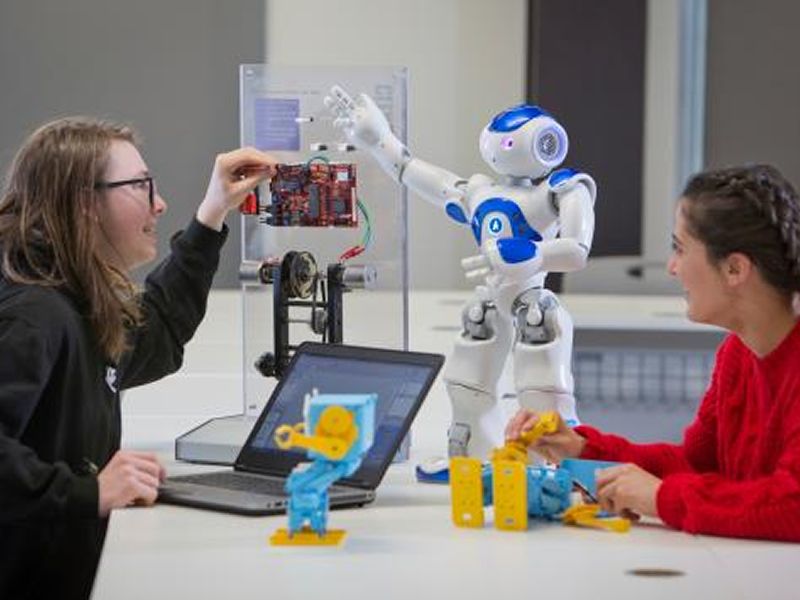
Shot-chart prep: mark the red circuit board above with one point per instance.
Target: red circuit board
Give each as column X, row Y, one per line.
column 313, row 194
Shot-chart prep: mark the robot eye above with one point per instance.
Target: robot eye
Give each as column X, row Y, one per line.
column 507, row 143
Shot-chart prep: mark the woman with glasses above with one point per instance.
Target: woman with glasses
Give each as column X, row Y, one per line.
column 79, row 211
column 736, row 252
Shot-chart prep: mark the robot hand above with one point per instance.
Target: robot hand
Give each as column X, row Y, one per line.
column 361, row 120
column 509, row 259
column 366, row 126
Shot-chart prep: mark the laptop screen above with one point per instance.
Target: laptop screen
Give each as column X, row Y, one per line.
column 400, row 379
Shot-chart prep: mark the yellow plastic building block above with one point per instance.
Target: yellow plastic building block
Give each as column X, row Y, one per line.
column 585, row 515
column 466, row 489
column 307, row 537
column 510, row 491
column 333, row 437
column 547, row 423
column 518, row 449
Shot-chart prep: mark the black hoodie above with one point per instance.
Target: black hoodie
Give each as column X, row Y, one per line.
column 60, row 413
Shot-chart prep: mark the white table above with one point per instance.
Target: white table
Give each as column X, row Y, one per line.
column 404, row 545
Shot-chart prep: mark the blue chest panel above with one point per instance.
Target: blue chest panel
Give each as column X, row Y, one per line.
column 500, row 211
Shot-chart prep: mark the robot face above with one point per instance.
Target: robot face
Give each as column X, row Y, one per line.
column 523, row 141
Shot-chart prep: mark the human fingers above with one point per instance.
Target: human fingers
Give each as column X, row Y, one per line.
column 607, row 496
column 244, row 164
column 146, row 495
column 147, row 482
column 523, row 421
column 145, row 461
column 138, row 472
column 514, row 425
column 609, row 474
column 532, row 418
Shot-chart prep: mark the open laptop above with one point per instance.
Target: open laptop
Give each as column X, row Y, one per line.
column 255, row 486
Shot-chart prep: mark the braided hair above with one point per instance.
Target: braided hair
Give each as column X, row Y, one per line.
column 753, row 210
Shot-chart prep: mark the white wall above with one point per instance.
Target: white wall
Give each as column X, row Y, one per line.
column 466, row 60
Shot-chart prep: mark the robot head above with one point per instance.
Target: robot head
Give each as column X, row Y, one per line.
column 523, row 141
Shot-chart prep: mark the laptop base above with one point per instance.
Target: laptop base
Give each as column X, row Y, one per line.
column 215, row 442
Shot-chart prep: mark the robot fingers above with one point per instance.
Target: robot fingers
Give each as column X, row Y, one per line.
column 476, row 266
column 474, row 262
column 343, row 123
column 478, row 273
column 339, row 100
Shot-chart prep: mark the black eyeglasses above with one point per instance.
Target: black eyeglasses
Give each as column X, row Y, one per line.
column 138, row 183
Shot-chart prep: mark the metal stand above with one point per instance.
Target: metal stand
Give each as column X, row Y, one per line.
column 296, row 283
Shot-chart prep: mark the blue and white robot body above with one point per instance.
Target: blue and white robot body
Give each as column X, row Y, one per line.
column 523, row 141
column 503, row 211
column 531, row 216
column 509, row 223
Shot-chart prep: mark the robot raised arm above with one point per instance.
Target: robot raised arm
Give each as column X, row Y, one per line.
column 364, row 124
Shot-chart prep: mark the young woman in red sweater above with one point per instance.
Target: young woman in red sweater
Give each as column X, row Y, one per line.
column 736, row 252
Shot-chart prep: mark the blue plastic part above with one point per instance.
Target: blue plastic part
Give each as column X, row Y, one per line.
column 308, row 487
column 584, row 471
column 515, row 250
column 455, row 212
column 548, row 492
column 560, row 176
column 519, row 225
column 515, row 117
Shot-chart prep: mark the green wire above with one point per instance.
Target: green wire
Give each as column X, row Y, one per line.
column 367, row 239
column 318, row 157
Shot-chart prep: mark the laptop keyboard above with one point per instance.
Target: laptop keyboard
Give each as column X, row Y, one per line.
column 236, row 481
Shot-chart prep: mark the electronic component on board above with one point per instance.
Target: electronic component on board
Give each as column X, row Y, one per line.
column 312, row 194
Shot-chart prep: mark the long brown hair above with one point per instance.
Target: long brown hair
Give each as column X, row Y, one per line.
column 47, row 233
column 753, row 210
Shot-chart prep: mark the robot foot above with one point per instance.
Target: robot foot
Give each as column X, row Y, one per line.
column 433, row 470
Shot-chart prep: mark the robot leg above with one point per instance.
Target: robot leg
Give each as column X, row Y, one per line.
column 471, row 377
column 543, row 355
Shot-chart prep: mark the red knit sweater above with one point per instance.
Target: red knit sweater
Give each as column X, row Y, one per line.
column 737, row 472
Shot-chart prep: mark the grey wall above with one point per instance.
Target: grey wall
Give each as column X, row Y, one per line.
column 753, row 84
column 586, row 62
column 169, row 68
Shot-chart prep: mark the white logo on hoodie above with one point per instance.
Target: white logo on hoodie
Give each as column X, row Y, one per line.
column 111, row 378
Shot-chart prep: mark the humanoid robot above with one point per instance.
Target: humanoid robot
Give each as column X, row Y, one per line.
column 337, row 432
column 531, row 218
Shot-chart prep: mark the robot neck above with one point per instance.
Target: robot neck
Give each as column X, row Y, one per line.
column 513, row 181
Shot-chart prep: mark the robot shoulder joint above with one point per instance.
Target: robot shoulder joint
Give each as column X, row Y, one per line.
column 563, row 181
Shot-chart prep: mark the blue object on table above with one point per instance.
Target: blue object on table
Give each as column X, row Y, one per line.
column 584, row 471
